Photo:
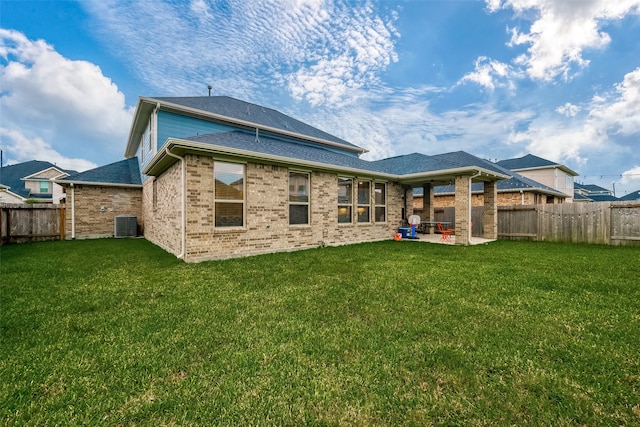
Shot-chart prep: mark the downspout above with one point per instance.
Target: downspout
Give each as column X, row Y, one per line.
column 73, row 212
column 183, row 231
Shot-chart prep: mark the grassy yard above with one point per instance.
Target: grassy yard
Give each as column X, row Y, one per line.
column 118, row 332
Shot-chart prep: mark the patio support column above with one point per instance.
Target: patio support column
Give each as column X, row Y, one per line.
column 490, row 218
column 463, row 209
column 428, row 204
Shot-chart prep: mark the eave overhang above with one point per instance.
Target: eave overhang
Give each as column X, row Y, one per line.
column 97, row 184
column 147, row 105
column 180, row 147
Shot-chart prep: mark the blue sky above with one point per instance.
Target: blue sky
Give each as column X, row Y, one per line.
column 496, row 78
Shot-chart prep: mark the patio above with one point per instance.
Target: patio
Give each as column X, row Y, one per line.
column 436, row 238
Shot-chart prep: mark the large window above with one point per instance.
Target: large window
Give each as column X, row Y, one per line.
column 345, row 199
column 364, row 201
column 229, row 194
column 298, row 198
column 381, row 202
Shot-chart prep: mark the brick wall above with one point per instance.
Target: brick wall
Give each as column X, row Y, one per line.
column 504, row 199
column 162, row 209
column 95, row 208
column 267, row 226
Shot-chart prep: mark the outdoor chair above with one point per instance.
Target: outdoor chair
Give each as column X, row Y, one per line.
column 445, row 233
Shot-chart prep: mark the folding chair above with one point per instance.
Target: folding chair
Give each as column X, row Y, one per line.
column 445, row 232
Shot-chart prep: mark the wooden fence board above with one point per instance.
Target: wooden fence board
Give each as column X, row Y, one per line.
column 608, row 223
column 21, row 223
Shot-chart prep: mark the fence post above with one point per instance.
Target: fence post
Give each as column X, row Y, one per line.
column 62, row 222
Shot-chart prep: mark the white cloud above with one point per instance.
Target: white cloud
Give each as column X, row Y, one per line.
column 568, row 109
column 490, row 74
column 313, row 50
column 20, row 149
column 622, row 114
column 561, row 31
column 609, row 115
column 631, row 178
column 70, row 104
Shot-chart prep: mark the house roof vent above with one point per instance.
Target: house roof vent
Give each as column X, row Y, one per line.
column 125, row 226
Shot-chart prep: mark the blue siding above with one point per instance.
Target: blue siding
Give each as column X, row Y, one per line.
column 172, row 125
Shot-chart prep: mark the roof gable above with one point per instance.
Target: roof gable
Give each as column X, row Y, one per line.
column 13, row 176
column 533, row 162
column 234, row 112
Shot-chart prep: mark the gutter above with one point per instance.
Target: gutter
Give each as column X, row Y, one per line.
column 101, row 184
column 216, row 149
column 183, row 220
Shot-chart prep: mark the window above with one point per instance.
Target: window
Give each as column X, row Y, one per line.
column 364, row 201
column 155, row 193
column 45, row 187
column 298, row 198
column 345, row 197
column 228, row 194
column 381, row 202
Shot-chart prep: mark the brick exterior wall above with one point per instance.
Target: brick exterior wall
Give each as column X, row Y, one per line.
column 95, row 208
column 161, row 210
column 504, row 199
column 267, row 226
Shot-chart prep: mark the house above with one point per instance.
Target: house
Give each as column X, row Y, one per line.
column 224, row 178
column 551, row 174
column 32, row 181
column 593, row 193
column 94, row 199
column 633, row 196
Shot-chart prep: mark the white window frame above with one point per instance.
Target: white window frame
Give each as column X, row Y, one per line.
column 348, row 205
column 299, row 203
column 366, row 204
column 217, row 200
column 377, row 205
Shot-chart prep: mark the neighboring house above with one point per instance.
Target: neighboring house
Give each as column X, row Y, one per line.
column 32, row 181
column 633, row 196
column 553, row 175
column 517, row 190
column 224, row 178
column 593, row 193
column 95, row 197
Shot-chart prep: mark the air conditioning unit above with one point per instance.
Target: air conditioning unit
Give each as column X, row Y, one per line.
column 125, row 226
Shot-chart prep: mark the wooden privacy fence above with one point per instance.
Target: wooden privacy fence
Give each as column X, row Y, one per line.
column 21, row 223
column 608, row 223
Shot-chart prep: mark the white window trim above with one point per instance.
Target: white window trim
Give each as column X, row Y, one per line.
column 243, row 201
column 307, row 203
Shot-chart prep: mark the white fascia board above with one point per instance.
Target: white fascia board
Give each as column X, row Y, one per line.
column 466, row 170
column 32, row 176
column 231, row 120
column 173, row 143
column 143, row 107
column 97, row 184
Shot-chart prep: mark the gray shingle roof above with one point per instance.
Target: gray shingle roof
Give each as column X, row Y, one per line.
column 242, row 110
column 11, row 176
column 515, row 183
column 631, row 196
column 124, row 172
column 279, row 147
column 526, row 162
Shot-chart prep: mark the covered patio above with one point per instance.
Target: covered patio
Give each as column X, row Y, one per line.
column 474, row 170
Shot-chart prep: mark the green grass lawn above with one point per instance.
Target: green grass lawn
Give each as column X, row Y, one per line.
column 118, row 332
